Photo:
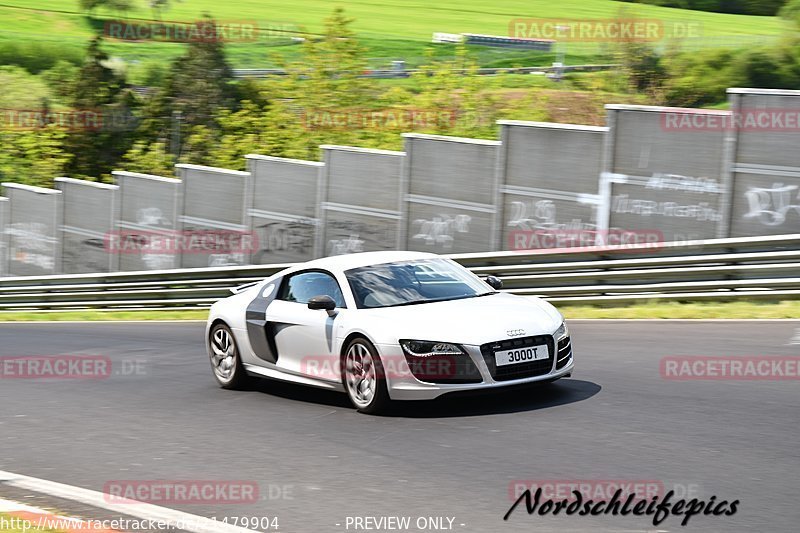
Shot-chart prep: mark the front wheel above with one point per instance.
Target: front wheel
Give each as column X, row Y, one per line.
column 225, row 360
column 364, row 378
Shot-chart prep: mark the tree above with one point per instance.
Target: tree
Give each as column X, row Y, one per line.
column 99, row 92
column 200, row 84
column 61, row 78
column 642, row 66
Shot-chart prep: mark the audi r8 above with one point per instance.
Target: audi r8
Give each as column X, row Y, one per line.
column 385, row 326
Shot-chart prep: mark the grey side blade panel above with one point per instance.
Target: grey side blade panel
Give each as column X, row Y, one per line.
column 261, row 333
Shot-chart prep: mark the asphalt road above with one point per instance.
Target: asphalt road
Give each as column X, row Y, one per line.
column 161, row 416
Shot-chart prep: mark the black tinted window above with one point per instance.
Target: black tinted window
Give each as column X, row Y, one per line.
column 303, row 286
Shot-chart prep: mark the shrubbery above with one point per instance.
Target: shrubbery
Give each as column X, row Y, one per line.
column 700, row 78
column 36, row 57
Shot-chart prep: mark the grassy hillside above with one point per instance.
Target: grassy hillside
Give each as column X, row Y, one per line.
column 388, row 28
column 401, row 18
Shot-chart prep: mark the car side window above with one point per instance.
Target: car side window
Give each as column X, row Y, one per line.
column 303, row 286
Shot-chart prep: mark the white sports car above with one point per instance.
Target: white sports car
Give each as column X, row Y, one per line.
column 385, row 326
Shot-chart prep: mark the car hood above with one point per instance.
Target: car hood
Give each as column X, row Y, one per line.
column 466, row 321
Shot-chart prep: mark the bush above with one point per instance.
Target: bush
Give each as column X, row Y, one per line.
column 36, row 57
column 643, row 66
column 698, row 78
column 61, row 78
column 760, row 68
column 21, row 90
column 791, row 11
column 701, row 78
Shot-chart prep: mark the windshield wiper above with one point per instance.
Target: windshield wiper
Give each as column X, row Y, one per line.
column 414, row 302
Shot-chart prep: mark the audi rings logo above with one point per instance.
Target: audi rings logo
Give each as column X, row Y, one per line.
column 515, row 332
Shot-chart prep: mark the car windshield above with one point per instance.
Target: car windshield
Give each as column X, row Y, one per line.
column 413, row 282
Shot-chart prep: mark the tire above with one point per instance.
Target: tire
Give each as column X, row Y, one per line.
column 226, row 365
column 365, row 383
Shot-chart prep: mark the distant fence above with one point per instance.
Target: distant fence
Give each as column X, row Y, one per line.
column 651, row 175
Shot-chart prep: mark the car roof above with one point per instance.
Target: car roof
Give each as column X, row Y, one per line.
column 344, row 262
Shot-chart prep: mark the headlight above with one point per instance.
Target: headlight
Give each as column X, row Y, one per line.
column 429, row 348
column 562, row 331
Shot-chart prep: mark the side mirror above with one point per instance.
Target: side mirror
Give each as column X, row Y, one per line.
column 323, row 302
column 494, row 282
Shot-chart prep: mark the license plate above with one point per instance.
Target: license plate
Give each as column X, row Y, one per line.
column 521, row 355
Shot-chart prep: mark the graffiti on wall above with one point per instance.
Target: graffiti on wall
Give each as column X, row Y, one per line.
column 280, row 237
column 152, row 257
column 441, row 229
column 352, row 244
column 349, row 236
column 541, row 215
column 30, row 244
column 700, row 211
column 771, row 206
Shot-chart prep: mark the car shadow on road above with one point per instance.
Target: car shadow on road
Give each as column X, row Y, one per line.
column 510, row 400
column 299, row 393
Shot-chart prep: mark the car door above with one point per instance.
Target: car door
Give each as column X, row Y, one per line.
column 260, row 332
column 304, row 338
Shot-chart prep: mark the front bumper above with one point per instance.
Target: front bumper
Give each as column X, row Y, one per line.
column 403, row 385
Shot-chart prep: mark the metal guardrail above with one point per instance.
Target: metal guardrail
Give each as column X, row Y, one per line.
column 720, row 269
column 260, row 73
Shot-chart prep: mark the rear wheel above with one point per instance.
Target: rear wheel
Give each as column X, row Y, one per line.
column 225, row 360
column 364, row 378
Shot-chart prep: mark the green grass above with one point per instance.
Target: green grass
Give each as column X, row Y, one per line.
column 400, row 18
column 655, row 309
column 89, row 315
column 728, row 310
column 390, row 29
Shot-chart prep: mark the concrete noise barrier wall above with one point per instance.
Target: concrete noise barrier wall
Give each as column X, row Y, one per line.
column 212, row 227
column 452, row 189
column 550, row 187
column 283, row 212
column 32, row 230
column 362, row 207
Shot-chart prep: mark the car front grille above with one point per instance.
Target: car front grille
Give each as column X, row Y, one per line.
column 564, row 353
column 520, row 370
